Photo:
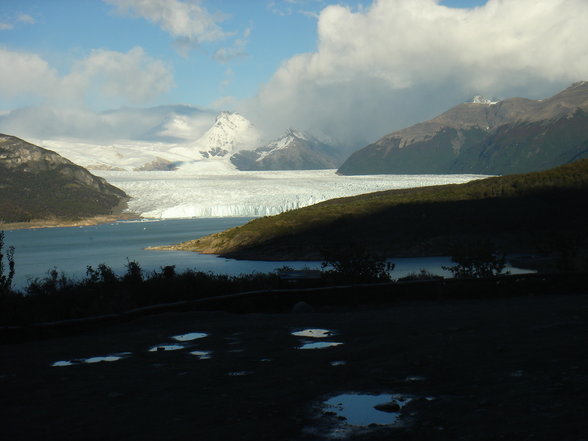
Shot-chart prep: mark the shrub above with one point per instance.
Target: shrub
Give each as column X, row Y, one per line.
column 476, row 260
column 6, row 279
column 355, row 263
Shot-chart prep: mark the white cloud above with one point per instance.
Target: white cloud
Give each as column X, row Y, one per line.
column 107, row 77
column 163, row 123
column 25, row 74
column 26, row 18
column 401, row 61
column 187, row 21
column 133, row 76
column 20, row 18
column 227, row 54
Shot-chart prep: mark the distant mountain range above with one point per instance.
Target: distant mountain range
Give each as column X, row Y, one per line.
column 485, row 136
column 231, row 141
column 295, row 150
column 38, row 184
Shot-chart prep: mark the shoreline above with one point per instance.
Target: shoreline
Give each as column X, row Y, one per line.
column 60, row 223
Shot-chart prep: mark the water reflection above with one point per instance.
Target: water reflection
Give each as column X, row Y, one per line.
column 163, row 348
column 313, row 333
column 202, row 355
column 190, row 336
column 366, row 409
column 320, row 345
column 92, row 360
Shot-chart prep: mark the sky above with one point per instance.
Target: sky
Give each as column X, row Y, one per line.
column 348, row 71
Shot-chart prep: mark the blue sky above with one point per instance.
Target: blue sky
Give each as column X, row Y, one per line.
column 320, row 65
column 260, row 35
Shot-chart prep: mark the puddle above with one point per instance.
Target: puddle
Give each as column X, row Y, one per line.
column 114, row 357
column 202, row 355
column 239, row 373
column 92, row 360
column 320, row 345
column 63, row 363
column 414, row 378
column 365, row 409
column 338, row 363
column 163, row 348
column 314, row 333
column 190, row 336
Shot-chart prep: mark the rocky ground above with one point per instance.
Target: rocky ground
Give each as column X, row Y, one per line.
column 514, row 369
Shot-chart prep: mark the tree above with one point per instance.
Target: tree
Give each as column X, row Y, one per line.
column 355, row 263
column 476, row 260
column 6, row 279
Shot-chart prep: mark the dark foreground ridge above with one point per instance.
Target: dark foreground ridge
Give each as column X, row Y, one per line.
column 478, row 369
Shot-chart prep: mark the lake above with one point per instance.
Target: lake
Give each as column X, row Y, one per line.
column 71, row 250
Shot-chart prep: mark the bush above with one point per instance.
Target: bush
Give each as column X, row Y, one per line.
column 476, row 260
column 6, row 279
column 355, row 263
column 423, row 275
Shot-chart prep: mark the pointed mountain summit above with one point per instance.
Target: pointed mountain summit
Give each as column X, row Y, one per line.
column 230, row 133
column 295, row 150
column 515, row 135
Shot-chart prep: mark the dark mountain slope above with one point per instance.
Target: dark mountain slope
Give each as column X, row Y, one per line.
column 511, row 136
column 36, row 183
column 518, row 212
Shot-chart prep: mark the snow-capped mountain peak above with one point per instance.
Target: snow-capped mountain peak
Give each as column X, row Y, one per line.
column 229, row 134
column 479, row 99
column 286, row 141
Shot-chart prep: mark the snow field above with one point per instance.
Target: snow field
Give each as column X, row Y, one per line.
column 196, row 193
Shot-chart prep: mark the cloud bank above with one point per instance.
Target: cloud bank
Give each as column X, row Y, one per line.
column 156, row 124
column 398, row 62
column 105, row 77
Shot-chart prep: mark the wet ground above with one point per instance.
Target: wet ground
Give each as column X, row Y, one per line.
column 514, row 369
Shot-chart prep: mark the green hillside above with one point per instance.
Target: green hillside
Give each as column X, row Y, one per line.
column 517, row 212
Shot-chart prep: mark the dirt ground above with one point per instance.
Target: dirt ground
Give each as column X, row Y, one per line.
column 513, row 369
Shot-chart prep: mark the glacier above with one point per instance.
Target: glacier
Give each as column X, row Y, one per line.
column 204, row 192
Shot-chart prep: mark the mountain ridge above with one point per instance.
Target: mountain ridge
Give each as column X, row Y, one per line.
column 295, row 150
column 435, row 146
column 36, row 183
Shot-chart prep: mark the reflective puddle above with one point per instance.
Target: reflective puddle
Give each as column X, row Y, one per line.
column 92, row 360
column 163, row 348
column 313, row 333
column 107, row 358
column 239, row 373
column 63, row 363
column 320, row 345
column 338, row 363
column 365, row 409
column 414, row 378
column 190, row 336
column 202, row 355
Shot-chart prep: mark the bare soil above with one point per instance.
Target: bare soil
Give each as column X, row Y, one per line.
column 514, row 369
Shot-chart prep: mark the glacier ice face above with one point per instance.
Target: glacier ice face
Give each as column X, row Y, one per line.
column 200, row 192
